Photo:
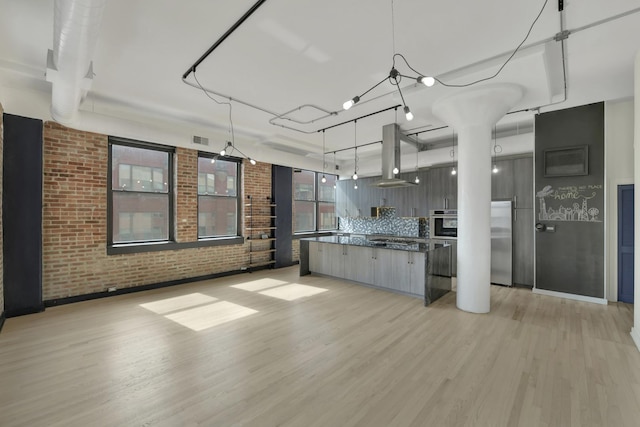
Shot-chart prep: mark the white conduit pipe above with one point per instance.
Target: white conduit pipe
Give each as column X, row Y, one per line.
column 75, row 33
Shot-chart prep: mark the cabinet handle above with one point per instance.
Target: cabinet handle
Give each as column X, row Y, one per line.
column 515, row 202
column 515, row 215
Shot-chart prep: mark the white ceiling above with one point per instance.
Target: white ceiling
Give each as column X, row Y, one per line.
column 291, row 54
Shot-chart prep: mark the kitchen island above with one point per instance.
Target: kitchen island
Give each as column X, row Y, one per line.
column 419, row 268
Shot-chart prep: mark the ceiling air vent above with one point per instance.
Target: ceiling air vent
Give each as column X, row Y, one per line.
column 200, row 140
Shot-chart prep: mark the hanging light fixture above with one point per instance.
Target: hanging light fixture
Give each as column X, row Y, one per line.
column 355, row 150
column 229, row 148
column 496, row 149
column 335, row 166
column 417, row 180
column 324, row 163
column 452, row 153
column 229, row 145
column 394, row 77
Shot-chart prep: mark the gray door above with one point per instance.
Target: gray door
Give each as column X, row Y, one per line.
column 569, row 193
column 625, row 243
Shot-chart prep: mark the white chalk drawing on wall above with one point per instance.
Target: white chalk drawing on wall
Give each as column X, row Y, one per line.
column 574, row 203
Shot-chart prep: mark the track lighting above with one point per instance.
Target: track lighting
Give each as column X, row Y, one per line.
column 253, row 162
column 324, row 179
column 396, row 171
column 417, row 180
column 453, row 171
column 355, row 186
column 495, row 168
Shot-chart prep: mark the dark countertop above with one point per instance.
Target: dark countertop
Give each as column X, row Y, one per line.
column 421, row 244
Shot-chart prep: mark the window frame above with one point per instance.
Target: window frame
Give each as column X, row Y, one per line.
column 118, row 141
column 238, row 195
column 316, row 201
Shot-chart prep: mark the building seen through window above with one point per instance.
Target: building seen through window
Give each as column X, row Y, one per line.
column 313, row 201
column 217, row 197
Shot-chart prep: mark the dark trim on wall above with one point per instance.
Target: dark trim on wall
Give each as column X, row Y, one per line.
column 172, row 246
column 105, row 294
column 2, row 318
column 298, row 236
column 24, row 311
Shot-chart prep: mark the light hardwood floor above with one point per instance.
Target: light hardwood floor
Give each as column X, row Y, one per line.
column 243, row 350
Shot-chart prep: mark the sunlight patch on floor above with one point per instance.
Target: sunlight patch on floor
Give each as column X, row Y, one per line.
column 178, row 303
column 292, row 292
column 259, row 285
column 210, row 315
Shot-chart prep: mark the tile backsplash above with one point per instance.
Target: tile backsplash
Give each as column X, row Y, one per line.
column 386, row 223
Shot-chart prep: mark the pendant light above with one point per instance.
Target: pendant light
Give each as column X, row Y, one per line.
column 324, row 161
column 355, row 150
column 452, row 153
column 417, row 180
column 496, row 149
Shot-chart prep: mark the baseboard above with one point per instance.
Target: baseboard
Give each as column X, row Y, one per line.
column 574, row 297
column 1, row 321
column 122, row 291
column 635, row 334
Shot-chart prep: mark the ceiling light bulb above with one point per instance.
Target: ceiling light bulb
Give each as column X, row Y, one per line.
column 495, row 169
column 417, row 180
column 427, row 81
column 350, row 103
column 408, row 114
column 355, row 186
column 324, row 179
column 355, row 176
column 223, row 152
column 395, row 171
column 253, row 162
column 453, row 171
column 213, row 160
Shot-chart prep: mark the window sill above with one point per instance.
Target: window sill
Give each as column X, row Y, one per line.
column 134, row 248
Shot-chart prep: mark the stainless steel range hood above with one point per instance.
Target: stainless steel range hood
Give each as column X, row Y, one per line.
column 391, row 136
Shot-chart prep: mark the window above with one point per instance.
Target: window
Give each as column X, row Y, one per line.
column 314, row 202
column 218, row 201
column 140, row 192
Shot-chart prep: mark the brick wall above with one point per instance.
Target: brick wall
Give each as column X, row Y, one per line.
column 1, row 242
column 75, row 261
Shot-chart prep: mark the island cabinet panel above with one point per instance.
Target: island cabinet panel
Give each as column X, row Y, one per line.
column 408, row 272
column 320, row 258
column 362, row 264
column 335, row 255
column 383, row 271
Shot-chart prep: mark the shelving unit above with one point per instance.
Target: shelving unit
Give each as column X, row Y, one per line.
column 261, row 231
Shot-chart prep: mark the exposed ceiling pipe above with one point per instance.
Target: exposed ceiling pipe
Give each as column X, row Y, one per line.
column 69, row 68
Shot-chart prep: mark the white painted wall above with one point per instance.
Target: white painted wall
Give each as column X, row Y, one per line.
column 618, row 171
column 635, row 331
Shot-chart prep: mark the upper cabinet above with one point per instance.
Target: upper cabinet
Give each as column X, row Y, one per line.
column 514, row 181
column 523, row 183
column 443, row 189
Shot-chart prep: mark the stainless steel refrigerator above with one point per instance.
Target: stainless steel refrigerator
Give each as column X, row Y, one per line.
column 501, row 244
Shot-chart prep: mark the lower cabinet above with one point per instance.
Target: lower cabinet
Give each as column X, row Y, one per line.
column 523, row 231
column 398, row 270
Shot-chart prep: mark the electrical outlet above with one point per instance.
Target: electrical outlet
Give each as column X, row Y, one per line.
column 111, row 289
column 243, row 268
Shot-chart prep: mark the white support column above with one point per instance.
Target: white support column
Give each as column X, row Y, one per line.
column 472, row 113
column 635, row 331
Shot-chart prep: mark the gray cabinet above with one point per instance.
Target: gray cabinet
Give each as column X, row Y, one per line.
column 408, row 272
column 443, row 189
column 502, row 186
column 523, row 183
column 362, row 264
column 523, row 234
column 382, row 269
